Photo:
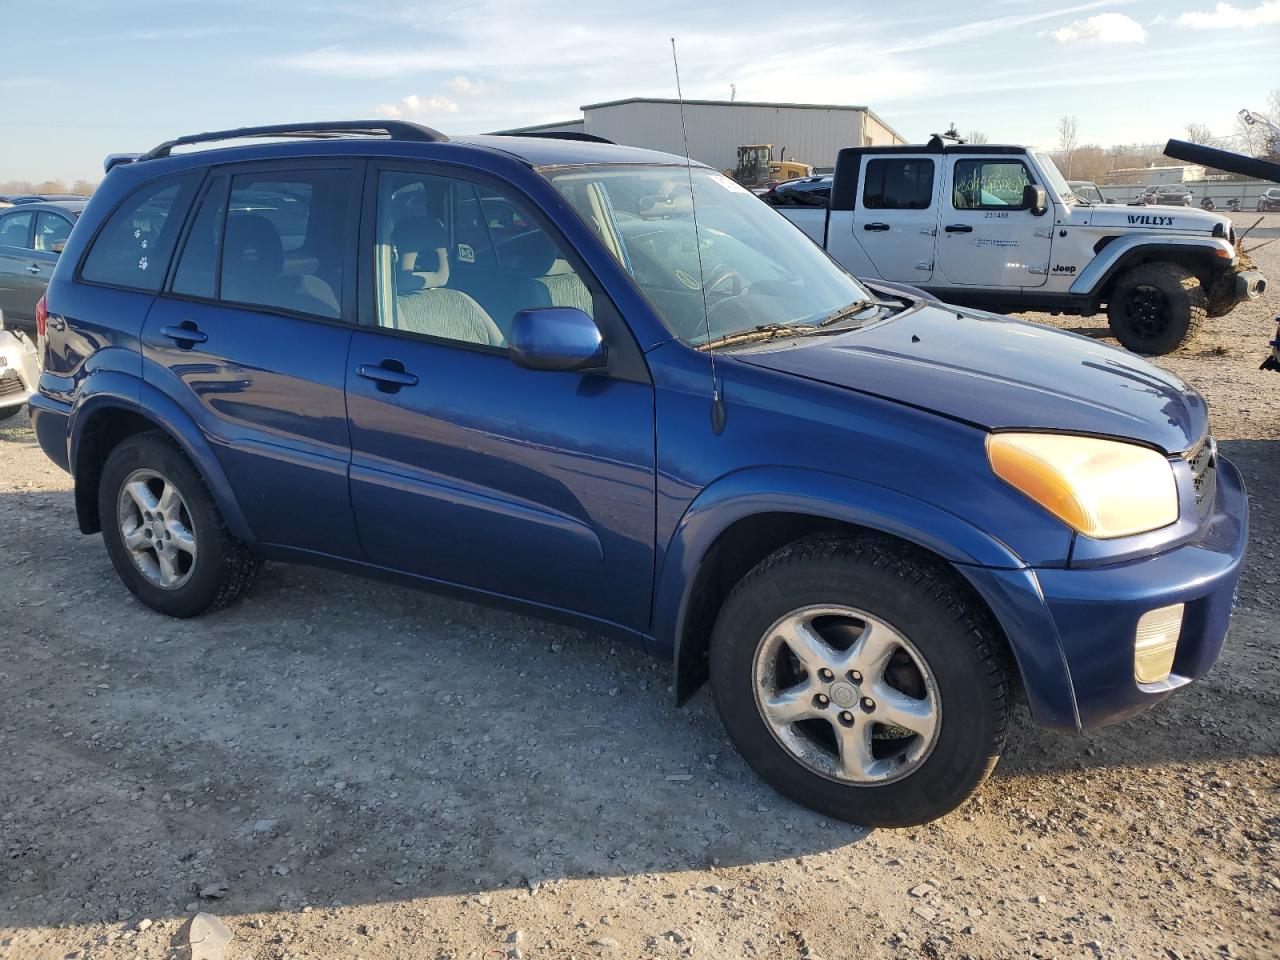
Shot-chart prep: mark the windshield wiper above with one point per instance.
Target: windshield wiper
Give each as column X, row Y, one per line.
column 858, row 306
column 766, row 331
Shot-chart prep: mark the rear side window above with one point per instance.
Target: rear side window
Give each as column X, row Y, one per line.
column 52, row 231
column 132, row 250
column 195, row 276
column 898, row 184
column 284, row 241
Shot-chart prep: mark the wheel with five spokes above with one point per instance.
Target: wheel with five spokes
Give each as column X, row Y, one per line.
column 164, row 533
column 861, row 679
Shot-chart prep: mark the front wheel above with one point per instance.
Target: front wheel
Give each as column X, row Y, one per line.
column 1156, row 308
column 13, row 411
column 164, row 533
column 860, row 681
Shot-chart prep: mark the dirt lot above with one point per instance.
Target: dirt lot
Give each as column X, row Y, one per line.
column 342, row 769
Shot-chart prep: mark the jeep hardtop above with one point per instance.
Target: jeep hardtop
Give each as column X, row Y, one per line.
column 999, row 228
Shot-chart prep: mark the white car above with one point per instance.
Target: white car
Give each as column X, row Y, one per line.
column 19, row 370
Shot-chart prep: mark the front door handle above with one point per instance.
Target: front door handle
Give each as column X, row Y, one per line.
column 875, row 226
column 959, row 228
column 390, row 375
column 34, row 268
column 185, row 334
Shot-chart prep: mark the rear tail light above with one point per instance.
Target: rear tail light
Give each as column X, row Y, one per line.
column 42, row 318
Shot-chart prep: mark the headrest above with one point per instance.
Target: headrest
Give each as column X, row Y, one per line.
column 419, row 233
column 252, row 239
column 532, row 255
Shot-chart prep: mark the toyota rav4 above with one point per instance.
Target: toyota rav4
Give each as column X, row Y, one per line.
column 523, row 370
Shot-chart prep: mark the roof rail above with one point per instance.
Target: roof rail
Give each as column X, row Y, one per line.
column 559, row 135
column 322, row 130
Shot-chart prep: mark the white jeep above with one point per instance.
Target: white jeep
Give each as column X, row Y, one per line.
column 998, row 227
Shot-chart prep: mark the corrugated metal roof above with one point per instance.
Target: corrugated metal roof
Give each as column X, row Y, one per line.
column 726, row 103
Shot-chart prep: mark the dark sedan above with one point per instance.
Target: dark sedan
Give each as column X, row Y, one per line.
column 32, row 236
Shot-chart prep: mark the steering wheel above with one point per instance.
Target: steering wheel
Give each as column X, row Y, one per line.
column 722, row 275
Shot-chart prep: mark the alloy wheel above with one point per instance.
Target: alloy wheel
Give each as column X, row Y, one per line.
column 157, row 529
column 849, row 696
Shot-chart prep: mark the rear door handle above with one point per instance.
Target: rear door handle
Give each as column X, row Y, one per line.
column 186, row 333
column 959, row 228
column 34, row 268
column 875, row 226
column 390, row 375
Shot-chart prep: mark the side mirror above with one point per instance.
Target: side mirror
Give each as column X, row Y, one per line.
column 1035, row 199
column 556, row 338
column 59, row 246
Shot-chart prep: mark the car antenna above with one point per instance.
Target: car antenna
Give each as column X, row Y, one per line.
column 717, row 400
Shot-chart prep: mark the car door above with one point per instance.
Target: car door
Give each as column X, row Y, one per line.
column 895, row 216
column 466, row 468
column 251, row 335
column 989, row 236
column 47, row 240
column 16, row 268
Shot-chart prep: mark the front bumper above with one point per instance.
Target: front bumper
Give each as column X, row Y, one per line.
column 1250, row 284
column 1073, row 630
column 19, row 368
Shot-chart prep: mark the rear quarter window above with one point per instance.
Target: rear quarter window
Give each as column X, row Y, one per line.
column 133, row 248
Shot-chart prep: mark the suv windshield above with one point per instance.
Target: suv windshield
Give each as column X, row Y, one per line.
column 756, row 270
column 1057, row 182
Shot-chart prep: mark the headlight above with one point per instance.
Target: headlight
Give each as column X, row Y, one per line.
column 1101, row 488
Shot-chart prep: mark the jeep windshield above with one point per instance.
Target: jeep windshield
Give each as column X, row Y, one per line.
column 745, row 274
column 1057, row 182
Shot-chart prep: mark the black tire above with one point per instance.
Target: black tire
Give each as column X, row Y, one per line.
column 1156, row 308
column 955, row 635
column 13, row 411
column 223, row 568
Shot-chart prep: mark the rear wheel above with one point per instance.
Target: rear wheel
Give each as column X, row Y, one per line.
column 1156, row 308
column 164, row 533
column 859, row 680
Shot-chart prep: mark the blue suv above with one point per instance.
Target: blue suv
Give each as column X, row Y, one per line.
column 609, row 386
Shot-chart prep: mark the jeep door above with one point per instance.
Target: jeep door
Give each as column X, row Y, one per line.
column 250, row 337
column 467, row 468
column 895, row 215
column 989, row 236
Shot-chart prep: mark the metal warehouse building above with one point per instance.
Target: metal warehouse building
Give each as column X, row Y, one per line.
column 810, row 132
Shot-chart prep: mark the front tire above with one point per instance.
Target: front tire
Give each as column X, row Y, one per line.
column 1156, row 308
column 13, row 411
column 164, row 533
column 859, row 680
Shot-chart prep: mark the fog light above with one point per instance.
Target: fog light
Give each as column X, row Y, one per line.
column 1156, row 642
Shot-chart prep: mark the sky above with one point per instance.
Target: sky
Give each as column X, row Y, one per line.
column 125, row 75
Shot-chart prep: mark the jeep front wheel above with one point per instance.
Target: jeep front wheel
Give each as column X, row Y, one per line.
column 861, row 681
column 1156, row 308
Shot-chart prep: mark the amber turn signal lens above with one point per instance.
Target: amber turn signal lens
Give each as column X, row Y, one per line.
column 1100, row 488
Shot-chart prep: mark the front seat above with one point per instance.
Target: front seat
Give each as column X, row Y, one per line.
column 423, row 304
column 534, row 255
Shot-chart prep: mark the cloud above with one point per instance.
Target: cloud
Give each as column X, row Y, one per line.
column 414, row 107
column 1225, row 16
column 1104, row 28
column 466, row 87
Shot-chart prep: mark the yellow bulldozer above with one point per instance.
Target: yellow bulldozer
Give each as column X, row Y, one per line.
column 757, row 168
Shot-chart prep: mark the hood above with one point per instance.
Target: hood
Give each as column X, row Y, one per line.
column 1177, row 219
column 1000, row 373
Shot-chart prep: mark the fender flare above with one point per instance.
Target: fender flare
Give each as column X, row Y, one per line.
column 123, row 392
column 772, row 490
column 1119, row 253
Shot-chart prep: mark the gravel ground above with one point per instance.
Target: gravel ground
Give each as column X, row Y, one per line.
column 339, row 768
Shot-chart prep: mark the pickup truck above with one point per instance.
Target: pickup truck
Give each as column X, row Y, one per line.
column 999, row 228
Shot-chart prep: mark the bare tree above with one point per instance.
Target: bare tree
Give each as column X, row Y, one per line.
column 1068, row 137
column 1199, row 133
column 976, row 136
